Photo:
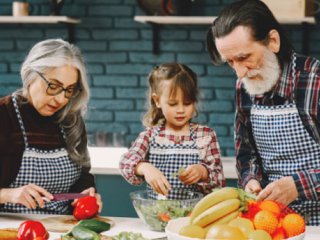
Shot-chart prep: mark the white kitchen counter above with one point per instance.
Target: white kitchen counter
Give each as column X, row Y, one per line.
column 105, row 160
column 120, row 224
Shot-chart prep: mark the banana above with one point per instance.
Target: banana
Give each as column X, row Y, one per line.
column 223, row 220
column 212, row 199
column 216, row 211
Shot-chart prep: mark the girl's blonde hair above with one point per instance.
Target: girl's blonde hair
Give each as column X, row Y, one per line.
column 181, row 77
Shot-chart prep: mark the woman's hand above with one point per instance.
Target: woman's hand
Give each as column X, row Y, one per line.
column 29, row 195
column 153, row 177
column 193, row 174
column 283, row 190
column 92, row 192
column 253, row 186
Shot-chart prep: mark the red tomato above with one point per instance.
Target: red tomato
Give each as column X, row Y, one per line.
column 30, row 230
column 86, row 207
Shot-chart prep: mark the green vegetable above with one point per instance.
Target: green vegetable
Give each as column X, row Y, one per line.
column 67, row 237
column 176, row 174
column 94, row 225
column 82, row 233
column 153, row 215
column 129, row 236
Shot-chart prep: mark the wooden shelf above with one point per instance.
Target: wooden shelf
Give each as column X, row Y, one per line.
column 156, row 21
column 69, row 22
column 198, row 20
column 39, row 19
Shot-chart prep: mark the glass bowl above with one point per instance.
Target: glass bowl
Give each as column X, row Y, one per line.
column 156, row 213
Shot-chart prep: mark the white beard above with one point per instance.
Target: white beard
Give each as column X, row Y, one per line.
column 261, row 80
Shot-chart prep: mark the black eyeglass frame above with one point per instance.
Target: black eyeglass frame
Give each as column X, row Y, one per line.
column 49, row 84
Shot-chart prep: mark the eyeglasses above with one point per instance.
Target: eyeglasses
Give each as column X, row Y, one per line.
column 54, row 89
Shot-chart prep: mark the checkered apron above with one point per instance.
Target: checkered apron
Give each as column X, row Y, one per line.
column 53, row 170
column 169, row 157
column 286, row 148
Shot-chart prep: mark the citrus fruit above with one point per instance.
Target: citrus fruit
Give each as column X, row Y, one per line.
column 265, row 220
column 293, row 224
column 245, row 225
column 192, row 231
column 224, row 232
column 270, row 206
column 259, row 235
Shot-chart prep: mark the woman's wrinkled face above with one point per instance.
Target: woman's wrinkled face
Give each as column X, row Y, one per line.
column 47, row 105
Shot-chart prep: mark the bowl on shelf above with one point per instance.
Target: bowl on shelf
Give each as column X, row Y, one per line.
column 174, row 226
column 156, row 212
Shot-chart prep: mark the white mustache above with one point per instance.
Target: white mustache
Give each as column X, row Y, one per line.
column 253, row 73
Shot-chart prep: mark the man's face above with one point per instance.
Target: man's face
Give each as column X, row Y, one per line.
column 254, row 63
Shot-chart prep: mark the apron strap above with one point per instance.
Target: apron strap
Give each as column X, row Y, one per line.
column 15, row 104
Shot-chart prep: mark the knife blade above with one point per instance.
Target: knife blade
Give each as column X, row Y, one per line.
column 67, row 196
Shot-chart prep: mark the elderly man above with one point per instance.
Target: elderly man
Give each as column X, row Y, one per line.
column 277, row 126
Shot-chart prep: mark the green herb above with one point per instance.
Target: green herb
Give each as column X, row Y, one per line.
column 129, row 236
column 157, row 216
column 176, row 174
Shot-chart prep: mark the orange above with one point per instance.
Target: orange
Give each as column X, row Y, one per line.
column 270, row 206
column 293, row 224
column 266, row 221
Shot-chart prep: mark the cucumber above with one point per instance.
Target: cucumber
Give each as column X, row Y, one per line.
column 82, row 233
column 94, row 225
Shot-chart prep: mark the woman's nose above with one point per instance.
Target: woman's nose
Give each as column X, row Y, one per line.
column 60, row 98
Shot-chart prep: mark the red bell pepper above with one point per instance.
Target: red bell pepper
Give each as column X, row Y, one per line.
column 30, row 230
column 86, row 207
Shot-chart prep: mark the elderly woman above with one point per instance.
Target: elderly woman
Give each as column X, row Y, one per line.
column 43, row 142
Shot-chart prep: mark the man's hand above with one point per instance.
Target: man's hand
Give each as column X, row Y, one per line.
column 153, row 177
column 283, row 191
column 253, row 186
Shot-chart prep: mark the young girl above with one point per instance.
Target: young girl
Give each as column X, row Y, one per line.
column 171, row 143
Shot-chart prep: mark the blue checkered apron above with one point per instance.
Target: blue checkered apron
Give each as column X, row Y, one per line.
column 286, row 148
column 169, row 157
column 53, row 170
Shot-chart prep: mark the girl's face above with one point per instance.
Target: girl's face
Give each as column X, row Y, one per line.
column 175, row 109
column 47, row 105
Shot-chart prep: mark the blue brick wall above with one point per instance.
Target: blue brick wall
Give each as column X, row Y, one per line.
column 118, row 53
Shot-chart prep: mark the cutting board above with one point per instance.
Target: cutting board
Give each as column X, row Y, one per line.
column 8, row 233
column 66, row 223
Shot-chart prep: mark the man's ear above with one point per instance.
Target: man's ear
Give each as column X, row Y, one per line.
column 274, row 41
column 155, row 98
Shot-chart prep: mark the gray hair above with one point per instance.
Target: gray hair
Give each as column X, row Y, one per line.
column 50, row 54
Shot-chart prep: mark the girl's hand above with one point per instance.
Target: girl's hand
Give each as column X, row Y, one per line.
column 193, row 174
column 29, row 195
column 154, row 178
column 253, row 186
column 92, row 192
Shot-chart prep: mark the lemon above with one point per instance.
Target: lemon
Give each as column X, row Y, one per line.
column 192, row 231
column 225, row 231
column 245, row 225
column 259, row 235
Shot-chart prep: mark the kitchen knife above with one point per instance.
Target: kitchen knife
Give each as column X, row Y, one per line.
column 66, row 196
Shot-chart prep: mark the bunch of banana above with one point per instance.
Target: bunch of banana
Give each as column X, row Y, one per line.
column 218, row 207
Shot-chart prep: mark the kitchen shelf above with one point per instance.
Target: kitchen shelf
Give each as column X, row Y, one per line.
column 156, row 21
column 69, row 22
